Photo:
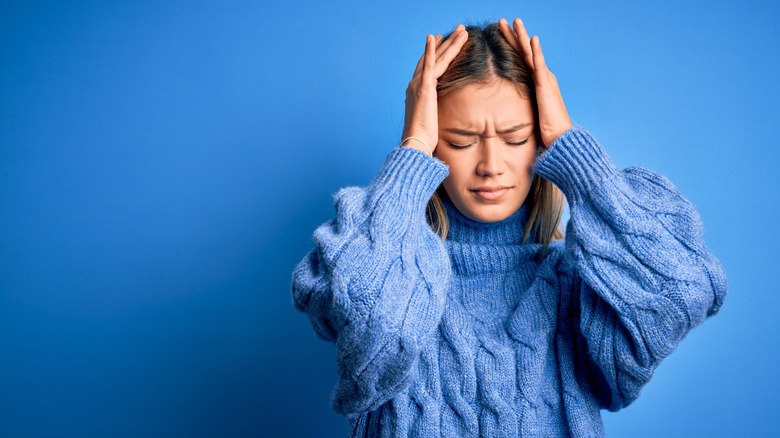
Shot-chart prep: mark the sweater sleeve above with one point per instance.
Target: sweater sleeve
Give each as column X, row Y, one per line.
column 375, row 283
column 635, row 275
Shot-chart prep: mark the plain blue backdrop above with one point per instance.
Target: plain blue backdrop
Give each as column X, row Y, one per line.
column 163, row 166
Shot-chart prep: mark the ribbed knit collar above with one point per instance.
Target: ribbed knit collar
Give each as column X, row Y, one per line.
column 488, row 247
column 465, row 230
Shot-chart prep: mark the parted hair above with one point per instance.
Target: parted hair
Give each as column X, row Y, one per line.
column 487, row 56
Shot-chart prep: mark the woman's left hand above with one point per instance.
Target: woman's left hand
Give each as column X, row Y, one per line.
column 553, row 118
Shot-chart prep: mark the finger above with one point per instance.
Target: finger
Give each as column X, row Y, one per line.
column 539, row 64
column 525, row 42
column 440, row 45
column 419, row 66
column 450, row 39
column 510, row 36
column 430, row 62
column 444, row 59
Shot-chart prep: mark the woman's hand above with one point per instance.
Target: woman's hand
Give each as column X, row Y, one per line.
column 553, row 118
column 421, row 118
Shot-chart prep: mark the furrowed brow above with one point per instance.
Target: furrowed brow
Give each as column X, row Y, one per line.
column 514, row 128
column 505, row 131
column 461, row 131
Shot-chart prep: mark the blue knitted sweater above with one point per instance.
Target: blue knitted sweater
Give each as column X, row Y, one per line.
column 472, row 337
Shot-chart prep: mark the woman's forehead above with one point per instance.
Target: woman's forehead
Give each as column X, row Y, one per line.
column 476, row 107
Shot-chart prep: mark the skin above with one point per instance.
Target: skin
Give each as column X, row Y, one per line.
column 489, row 161
column 484, row 157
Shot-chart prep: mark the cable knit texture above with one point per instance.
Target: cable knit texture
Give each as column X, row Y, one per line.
column 471, row 337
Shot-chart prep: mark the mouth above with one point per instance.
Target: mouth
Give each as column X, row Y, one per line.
column 490, row 193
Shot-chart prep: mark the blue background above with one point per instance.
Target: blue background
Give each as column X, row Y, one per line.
column 164, row 164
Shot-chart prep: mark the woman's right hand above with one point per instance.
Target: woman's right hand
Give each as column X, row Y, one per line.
column 421, row 117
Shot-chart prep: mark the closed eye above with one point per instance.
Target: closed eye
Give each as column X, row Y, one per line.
column 457, row 146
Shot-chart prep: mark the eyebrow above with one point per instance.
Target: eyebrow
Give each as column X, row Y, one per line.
column 505, row 131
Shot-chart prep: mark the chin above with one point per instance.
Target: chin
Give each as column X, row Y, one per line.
column 493, row 213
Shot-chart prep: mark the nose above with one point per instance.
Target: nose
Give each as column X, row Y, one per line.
column 491, row 160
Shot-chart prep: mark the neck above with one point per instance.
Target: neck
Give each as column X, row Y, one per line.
column 478, row 248
column 462, row 229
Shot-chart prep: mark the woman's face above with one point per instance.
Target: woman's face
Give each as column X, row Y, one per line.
column 497, row 127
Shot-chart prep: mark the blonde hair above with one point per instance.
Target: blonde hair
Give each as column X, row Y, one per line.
column 487, row 56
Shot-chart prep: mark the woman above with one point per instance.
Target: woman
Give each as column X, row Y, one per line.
column 456, row 306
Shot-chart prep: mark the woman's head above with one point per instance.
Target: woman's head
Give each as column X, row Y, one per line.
column 485, row 57
column 488, row 136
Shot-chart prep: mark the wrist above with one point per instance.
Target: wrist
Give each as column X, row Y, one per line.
column 417, row 143
column 549, row 138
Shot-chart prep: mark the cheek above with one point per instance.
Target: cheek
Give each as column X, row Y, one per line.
column 524, row 158
column 459, row 176
column 455, row 177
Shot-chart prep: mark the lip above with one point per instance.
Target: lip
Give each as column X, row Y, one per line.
column 491, row 193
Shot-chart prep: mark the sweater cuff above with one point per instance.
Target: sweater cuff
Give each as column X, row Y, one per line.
column 411, row 175
column 575, row 162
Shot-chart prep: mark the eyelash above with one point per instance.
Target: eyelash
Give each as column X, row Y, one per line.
column 465, row 146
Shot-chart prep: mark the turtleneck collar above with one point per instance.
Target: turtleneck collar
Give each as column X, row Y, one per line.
column 465, row 230
column 478, row 248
